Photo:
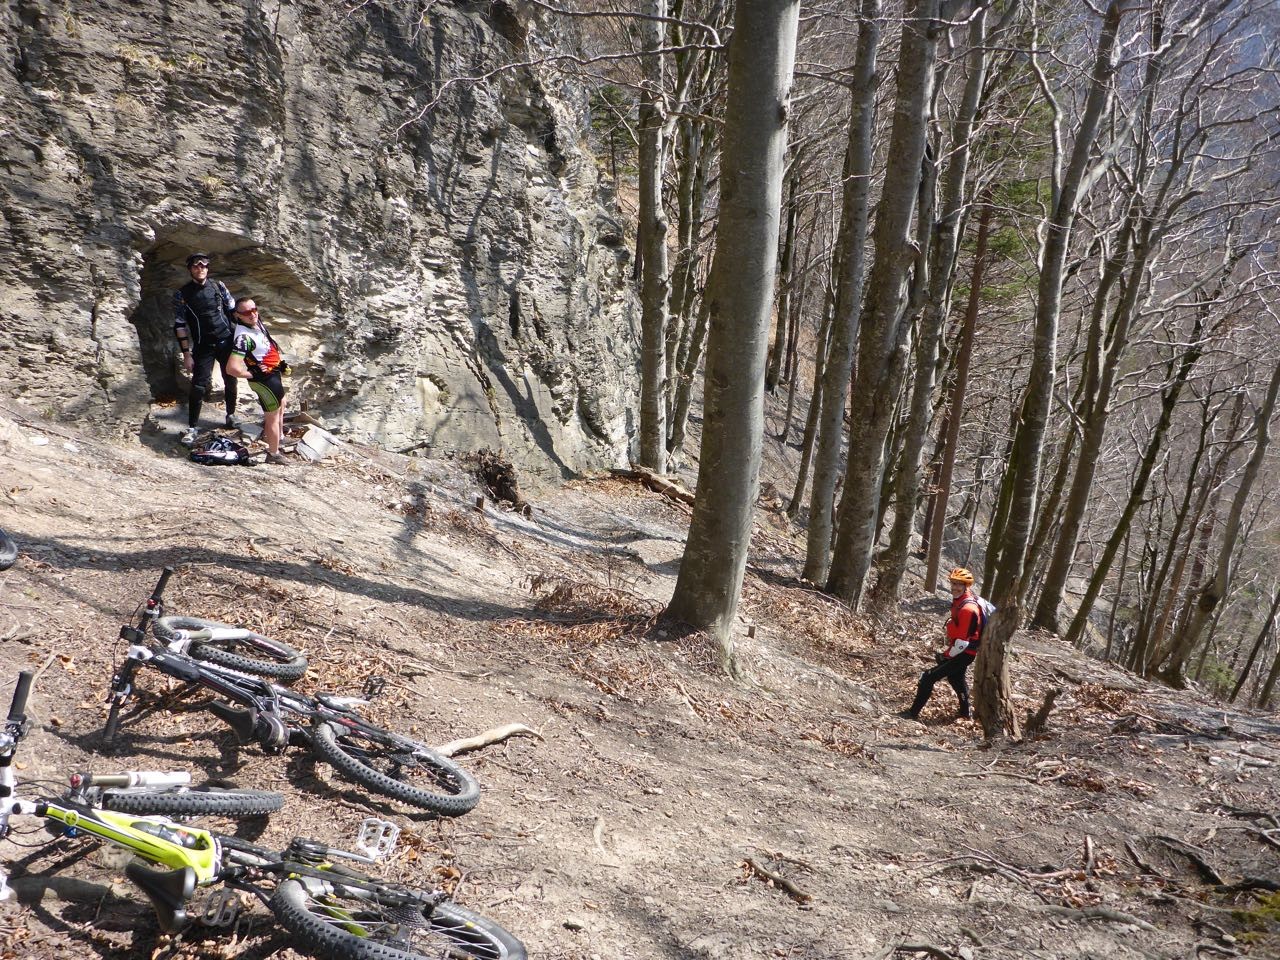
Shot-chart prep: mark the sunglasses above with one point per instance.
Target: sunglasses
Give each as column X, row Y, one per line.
column 199, row 265
column 246, row 313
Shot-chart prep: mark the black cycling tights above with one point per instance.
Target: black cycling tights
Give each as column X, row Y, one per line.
column 953, row 671
column 203, row 361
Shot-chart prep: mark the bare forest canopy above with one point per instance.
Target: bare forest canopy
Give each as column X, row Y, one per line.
column 1024, row 316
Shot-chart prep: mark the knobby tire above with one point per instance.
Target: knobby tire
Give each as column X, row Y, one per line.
column 375, row 925
column 254, row 654
column 8, row 551
column 396, row 767
column 195, row 802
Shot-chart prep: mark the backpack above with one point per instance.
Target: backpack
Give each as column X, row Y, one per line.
column 985, row 609
column 220, row 452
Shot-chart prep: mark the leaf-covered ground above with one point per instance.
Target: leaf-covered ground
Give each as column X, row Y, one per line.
column 667, row 812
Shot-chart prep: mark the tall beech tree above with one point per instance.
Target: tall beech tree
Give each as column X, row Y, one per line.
column 882, row 336
column 1022, row 478
column 740, row 296
column 944, row 239
column 850, row 258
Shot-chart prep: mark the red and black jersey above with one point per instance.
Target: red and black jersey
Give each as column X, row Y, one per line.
column 965, row 623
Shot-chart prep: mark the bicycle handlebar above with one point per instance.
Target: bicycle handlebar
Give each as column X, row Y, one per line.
column 158, row 592
column 18, row 708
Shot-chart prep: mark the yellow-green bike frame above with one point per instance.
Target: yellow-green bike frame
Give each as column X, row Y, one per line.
column 154, row 839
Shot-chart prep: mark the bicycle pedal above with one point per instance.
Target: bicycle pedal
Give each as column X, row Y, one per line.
column 377, row 838
column 222, row 909
column 373, row 687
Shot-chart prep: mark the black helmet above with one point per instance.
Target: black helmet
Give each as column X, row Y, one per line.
column 198, row 256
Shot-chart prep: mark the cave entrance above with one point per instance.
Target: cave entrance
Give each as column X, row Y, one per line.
column 246, row 270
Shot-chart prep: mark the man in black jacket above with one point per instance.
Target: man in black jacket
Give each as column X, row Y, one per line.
column 203, row 326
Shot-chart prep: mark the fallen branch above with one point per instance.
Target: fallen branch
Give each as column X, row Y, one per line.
column 778, row 880
column 1197, row 857
column 1250, row 883
column 1142, row 864
column 1100, row 913
column 496, row 735
column 657, row 483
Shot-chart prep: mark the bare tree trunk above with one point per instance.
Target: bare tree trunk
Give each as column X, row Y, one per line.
column 740, row 289
column 1168, row 402
column 992, row 701
column 684, row 386
column 1216, row 589
column 1267, row 627
column 653, row 246
column 1264, row 695
column 955, row 413
column 882, row 344
column 850, row 257
column 1115, row 602
column 941, row 275
column 781, row 330
column 821, row 350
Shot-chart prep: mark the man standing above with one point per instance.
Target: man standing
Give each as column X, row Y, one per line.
column 964, row 635
column 202, row 324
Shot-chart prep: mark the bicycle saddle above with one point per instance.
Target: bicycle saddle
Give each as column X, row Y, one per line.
column 168, row 891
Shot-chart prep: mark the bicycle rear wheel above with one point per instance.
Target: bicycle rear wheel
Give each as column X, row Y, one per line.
column 338, row 923
column 8, row 551
column 193, row 802
column 398, row 767
column 249, row 653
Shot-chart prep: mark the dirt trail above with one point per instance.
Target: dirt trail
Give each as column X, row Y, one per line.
column 632, row 829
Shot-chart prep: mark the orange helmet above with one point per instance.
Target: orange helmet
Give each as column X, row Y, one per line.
column 961, row 575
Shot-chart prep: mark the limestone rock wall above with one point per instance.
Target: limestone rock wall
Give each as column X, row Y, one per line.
column 450, row 282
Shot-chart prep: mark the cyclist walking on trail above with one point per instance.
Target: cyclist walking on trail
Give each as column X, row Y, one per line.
column 203, row 326
column 255, row 356
column 964, row 636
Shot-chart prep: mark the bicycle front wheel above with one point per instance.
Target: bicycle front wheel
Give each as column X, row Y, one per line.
column 8, row 551
column 398, row 767
column 245, row 651
column 193, row 802
column 338, row 923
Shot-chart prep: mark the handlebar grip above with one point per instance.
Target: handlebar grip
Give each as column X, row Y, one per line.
column 18, row 708
column 160, row 585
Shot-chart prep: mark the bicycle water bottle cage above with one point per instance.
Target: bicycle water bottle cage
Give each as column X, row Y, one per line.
column 373, row 687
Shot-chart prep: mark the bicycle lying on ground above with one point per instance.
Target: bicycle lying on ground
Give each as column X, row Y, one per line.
column 276, row 718
column 234, row 647
column 8, row 551
column 332, row 912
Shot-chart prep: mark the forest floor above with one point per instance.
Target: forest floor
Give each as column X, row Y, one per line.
column 643, row 824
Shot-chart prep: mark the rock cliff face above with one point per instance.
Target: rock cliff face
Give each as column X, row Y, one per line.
column 451, row 282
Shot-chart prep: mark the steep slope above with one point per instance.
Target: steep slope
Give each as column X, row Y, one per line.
column 641, row 827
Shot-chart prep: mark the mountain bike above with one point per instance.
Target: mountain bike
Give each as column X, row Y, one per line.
column 332, row 912
column 277, row 718
column 8, row 551
column 234, row 647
